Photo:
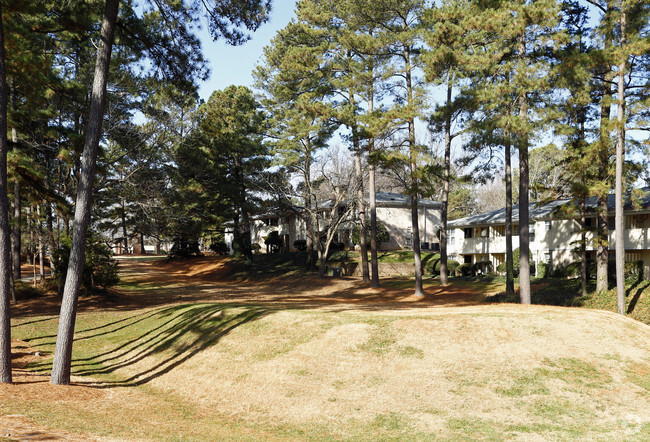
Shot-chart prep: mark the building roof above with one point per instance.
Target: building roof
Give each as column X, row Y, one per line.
column 389, row 199
column 546, row 211
column 397, row 199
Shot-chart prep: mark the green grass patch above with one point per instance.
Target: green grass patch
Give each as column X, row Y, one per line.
column 568, row 292
column 476, row 428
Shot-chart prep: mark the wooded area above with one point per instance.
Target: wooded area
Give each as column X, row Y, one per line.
column 560, row 87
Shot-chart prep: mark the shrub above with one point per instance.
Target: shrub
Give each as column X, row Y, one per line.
column 255, row 247
column 340, row 255
column 633, row 271
column 432, row 265
column 300, row 245
column 382, row 234
column 99, row 270
column 482, row 267
column 184, row 248
column 465, row 269
column 273, row 241
column 219, row 247
column 452, row 266
column 543, row 270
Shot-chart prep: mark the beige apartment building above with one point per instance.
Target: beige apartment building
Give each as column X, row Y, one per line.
column 554, row 239
column 393, row 211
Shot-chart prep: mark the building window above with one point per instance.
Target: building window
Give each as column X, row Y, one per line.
column 611, row 224
column 547, row 257
column 484, row 232
column 515, row 230
column 547, row 225
column 409, row 235
column 451, row 237
column 467, row 259
column 531, row 232
column 468, row 232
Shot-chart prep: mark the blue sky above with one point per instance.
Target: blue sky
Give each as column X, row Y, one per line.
column 235, row 64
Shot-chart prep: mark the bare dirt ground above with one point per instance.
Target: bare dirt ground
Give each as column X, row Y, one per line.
column 461, row 346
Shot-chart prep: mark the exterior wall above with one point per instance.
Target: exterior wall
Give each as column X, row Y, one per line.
column 398, row 223
column 553, row 243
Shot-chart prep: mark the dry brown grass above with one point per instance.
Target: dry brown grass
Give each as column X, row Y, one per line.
column 336, row 359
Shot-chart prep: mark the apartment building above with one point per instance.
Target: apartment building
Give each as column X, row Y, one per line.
column 554, row 238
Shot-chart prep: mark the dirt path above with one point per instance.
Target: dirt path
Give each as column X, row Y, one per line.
column 202, row 280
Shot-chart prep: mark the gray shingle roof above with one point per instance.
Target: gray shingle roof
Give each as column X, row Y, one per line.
column 546, row 211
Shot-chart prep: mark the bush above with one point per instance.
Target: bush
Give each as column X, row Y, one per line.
column 432, row 264
column 633, row 271
column 99, row 270
column 274, row 242
column 482, row 267
column 543, row 270
column 184, row 248
column 465, row 269
column 255, row 247
column 300, row 245
column 340, row 255
column 452, row 266
column 219, row 247
column 382, row 234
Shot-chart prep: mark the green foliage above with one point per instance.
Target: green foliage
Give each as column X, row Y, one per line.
column 273, row 241
column 382, row 234
column 482, row 267
column 465, row 269
column 184, row 248
column 543, row 270
column 99, row 269
column 219, row 247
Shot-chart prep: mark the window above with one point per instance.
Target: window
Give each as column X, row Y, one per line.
column 589, row 222
column 531, row 232
column 451, row 237
column 468, row 232
column 547, row 225
column 409, row 235
column 467, row 259
column 484, row 232
column 611, row 225
column 547, row 256
column 515, row 230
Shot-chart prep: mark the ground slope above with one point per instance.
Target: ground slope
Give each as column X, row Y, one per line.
column 313, row 360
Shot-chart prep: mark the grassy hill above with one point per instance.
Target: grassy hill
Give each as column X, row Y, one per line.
column 214, row 370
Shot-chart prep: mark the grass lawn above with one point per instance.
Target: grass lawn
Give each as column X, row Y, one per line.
column 233, row 369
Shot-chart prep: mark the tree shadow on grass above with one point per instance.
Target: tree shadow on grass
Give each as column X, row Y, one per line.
column 169, row 336
column 640, row 286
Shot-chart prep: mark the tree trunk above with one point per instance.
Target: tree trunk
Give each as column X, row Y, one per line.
column 620, row 158
column 63, row 351
column 16, row 231
column 142, row 250
column 603, row 155
column 5, row 244
column 445, row 192
column 602, row 254
column 415, row 225
column 524, row 247
column 125, row 232
column 372, row 200
column 510, row 263
column 372, row 206
column 361, row 206
column 41, row 246
column 583, row 245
